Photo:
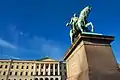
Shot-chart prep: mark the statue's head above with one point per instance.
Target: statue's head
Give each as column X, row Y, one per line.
column 75, row 15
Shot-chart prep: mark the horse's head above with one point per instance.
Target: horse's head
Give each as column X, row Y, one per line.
column 86, row 11
column 90, row 7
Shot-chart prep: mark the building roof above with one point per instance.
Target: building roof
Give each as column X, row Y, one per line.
column 42, row 59
column 46, row 59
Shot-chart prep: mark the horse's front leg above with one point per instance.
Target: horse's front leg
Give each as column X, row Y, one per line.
column 90, row 24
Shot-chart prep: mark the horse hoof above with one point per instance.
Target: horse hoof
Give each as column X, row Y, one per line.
column 92, row 30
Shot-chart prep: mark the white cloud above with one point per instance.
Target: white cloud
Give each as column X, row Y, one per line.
column 7, row 44
column 26, row 44
column 47, row 47
column 13, row 57
column 36, row 47
column 52, row 49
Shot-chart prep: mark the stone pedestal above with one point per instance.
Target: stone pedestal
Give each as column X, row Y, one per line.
column 91, row 58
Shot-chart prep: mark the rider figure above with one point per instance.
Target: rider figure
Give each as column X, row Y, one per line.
column 73, row 29
column 73, row 22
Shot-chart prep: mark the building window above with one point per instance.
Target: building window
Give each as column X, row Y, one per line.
column 30, row 79
column 46, row 73
column 51, row 73
column 32, row 67
column 37, row 66
column 46, row 79
column 60, row 67
column 41, row 78
column 56, row 73
column 12, row 67
column 14, row 79
column 36, row 78
column 1, row 66
column 51, row 66
column 22, row 67
column 41, row 73
column 25, row 79
column 31, row 73
column 26, row 73
column 5, row 66
column 19, row 79
column 27, row 67
column 21, row 73
column 64, row 67
column 47, row 65
column 60, row 73
column 56, row 66
column 51, row 79
column 36, row 73
column 10, row 73
column 4, row 73
column 17, row 67
column 42, row 66
column 15, row 73
column 56, row 78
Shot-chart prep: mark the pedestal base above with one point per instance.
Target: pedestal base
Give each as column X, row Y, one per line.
column 91, row 58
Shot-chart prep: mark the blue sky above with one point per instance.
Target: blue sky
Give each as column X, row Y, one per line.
column 32, row 29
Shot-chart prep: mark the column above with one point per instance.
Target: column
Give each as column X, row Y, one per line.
column 34, row 72
column 39, row 69
column 49, row 70
column 53, row 69
column 58, row 68
column 44, row 69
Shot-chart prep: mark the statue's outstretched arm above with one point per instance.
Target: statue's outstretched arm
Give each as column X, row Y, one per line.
column 68, row 24
column 71, row 21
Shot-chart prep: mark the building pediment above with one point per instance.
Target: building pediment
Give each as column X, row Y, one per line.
column 47, row 59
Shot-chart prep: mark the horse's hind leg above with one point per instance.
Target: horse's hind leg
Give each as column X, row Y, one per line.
column 92, row 27
column 88, row 24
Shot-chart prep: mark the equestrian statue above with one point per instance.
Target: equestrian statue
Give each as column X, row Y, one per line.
column 80, row 24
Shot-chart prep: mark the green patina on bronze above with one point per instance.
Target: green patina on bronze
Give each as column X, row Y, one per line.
column 79, row 24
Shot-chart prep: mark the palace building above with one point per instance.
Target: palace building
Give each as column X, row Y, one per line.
column 43, row 69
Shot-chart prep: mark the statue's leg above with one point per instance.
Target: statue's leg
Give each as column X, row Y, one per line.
column 90, row 24
column 73, row 24
column 71, row 36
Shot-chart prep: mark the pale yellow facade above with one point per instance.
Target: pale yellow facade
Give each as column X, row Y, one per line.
column 45, row 69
